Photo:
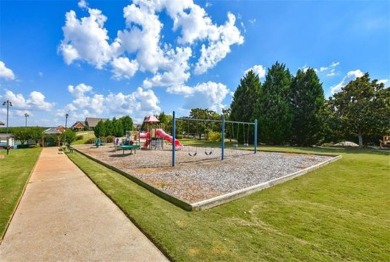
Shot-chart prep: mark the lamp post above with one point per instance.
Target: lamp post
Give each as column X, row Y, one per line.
column 26, row 115
column 8, row 104
column 66, row 120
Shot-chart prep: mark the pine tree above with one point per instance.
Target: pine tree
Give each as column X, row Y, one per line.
column 307, row 104
column 273, row 106
column 243, row 105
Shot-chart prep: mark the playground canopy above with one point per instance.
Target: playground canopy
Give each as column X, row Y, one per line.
column 1, row 123
column 151, row 119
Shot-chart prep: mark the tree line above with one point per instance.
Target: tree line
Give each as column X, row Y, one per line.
column 114, row 127
column 293, row 110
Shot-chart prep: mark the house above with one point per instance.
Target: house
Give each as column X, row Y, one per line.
column 92, row 122
column 54, row 130
column 78, row 126
column 4, row 138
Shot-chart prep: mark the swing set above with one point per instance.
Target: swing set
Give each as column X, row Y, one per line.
column 194, row 153
column 246, row 127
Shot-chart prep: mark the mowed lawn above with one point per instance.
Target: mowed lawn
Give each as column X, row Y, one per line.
column 339, row 212
column 15, row 169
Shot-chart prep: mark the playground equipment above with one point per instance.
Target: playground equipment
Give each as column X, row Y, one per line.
column 162, row 134
column 223, row 124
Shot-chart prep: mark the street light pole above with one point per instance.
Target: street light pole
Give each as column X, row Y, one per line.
column 8, row 104
column 66, row 120
column 26, row 115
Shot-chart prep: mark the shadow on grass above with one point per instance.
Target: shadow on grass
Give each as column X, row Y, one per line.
column 329, row 150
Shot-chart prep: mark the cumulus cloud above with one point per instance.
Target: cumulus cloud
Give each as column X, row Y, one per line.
column 87, row 103
column 140, row 45
column 83, row 4
column 219, row 45
column 205, row 95
column 5, row 72
column 35, row 101
column 257, row 69
column 351, row 75
column 122, row 67
column 86, row 39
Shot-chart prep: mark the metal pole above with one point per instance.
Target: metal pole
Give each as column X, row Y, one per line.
column 8, row 104
column 173, row 139
column 66, row 120
column 255, row 141
column 26, row 115
column 223, row 138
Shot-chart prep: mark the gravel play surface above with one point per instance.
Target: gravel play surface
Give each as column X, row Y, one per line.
column 201, row 177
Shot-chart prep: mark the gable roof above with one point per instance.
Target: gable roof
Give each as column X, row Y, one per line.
column 93, row 121
column 78, row 124
column 54, row 130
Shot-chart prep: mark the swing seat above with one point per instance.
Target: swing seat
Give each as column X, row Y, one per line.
column 194, row 154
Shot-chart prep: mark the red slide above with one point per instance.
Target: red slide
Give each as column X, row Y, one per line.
column 165, row 136
column 147, row 136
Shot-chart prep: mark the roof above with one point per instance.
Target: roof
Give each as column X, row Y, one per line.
column 54, row 130
column 4, row 135
column 151, row 119
column 78, row 124
column 93, row 121
column 2, row 123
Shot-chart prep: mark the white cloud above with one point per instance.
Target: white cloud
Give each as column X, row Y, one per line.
column 205, row 95
column 86, row 103
column 140, row 45
column 83, row 4
column 35, row 101
column 257, row 69
column 122, row 67
column 328, row 70
column 351, row 75
column 86, row 39
column 219, row 47
column 176, row 72
column 5, row 72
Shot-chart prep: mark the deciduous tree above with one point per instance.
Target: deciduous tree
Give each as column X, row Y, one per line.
column 363, row 106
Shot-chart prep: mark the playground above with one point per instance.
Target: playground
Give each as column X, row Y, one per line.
column 200, row 178
column 204, row 175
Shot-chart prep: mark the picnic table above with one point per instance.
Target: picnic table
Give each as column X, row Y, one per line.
column 129, row 147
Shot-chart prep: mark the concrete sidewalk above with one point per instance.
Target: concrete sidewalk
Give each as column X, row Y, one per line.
column 63, row 216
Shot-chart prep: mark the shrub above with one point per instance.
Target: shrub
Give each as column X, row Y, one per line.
column 90, row 141
column 110, row 139
column 214, row 136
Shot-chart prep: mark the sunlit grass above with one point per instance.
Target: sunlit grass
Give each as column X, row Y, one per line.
column 15, row 169
column 336, row 213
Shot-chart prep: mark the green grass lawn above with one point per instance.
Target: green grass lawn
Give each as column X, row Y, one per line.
column 15, row 169
column 85, row 136
column 337, row 213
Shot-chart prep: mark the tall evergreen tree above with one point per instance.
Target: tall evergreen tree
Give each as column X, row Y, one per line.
column 100, row 129
column 363, row 107
column 127, row 123
column 243, row 105
column 273, row 106
column 307, row 104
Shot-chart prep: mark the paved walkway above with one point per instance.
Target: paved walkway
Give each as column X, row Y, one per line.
column 63, row 216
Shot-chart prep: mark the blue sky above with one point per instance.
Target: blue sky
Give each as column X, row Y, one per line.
column 110, row 58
